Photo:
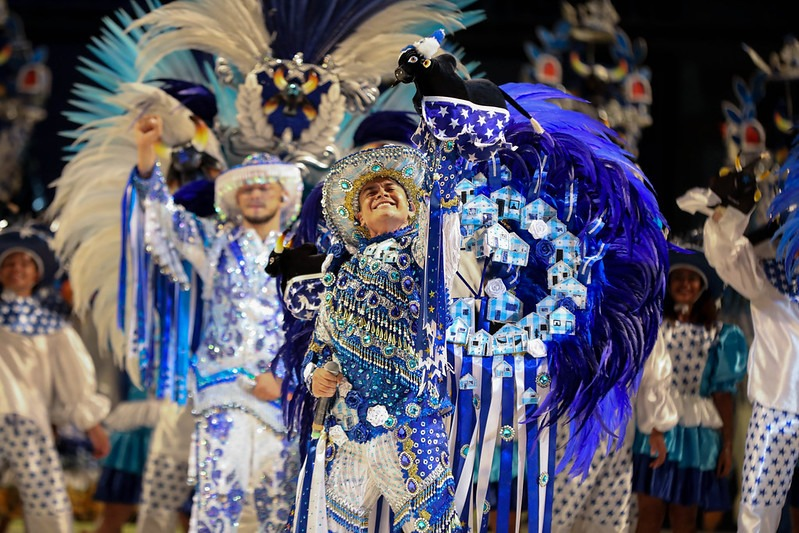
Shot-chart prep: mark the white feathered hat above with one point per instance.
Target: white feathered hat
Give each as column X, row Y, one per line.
column 259, row 169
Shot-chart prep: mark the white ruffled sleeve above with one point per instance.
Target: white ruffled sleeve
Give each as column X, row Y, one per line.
column 655, row 407
column 733, row 257
column 76, row 398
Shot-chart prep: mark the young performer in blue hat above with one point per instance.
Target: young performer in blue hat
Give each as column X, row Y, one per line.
column 46, row 377
column 708, row 360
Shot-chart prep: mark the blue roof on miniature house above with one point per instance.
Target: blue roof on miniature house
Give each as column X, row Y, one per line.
column 567, row 237
column 507, row 305
column 459, row 321
column 498, row 231
column 461, row 303
column 560, row 265
column 481, row 199
column 561, row 311
column 549, row 301
column 506, row 297
column 515, row 239
column 528, row 320
column 480, row 334
column 507, row 192
column 479, row 179
column 539, row 204
column 510, row 329
column 569, row 283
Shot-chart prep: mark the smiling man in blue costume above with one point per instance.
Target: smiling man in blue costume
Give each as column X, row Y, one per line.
column 385, row 432
column 46, row 377
column 243, row 455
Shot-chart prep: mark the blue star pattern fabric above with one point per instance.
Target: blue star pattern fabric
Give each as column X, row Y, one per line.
column 705, row 361
column 689, row 356
column 775, row 272
column 480, row 129
column 772, row 450
column 26, row 316
column 601, row 501
column 168, row 487
column 303, row 296
column 32, row 458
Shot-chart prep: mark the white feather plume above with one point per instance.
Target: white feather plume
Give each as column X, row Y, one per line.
column 372, row 50
column 105, row 107
column 140, row 99
column 233, row 29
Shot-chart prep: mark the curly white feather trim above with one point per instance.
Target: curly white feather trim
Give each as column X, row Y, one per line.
column 232, row 29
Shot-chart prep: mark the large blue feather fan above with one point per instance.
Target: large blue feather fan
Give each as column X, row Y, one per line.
column 578, row 166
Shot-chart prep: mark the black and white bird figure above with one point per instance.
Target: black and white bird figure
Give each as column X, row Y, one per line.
column 438, row 75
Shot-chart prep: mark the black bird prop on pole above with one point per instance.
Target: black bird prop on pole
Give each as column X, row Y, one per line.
column 437, row 75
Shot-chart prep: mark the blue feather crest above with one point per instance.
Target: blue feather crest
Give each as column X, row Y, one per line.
column 316, row 27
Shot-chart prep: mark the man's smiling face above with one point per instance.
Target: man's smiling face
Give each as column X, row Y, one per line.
column 384, row 206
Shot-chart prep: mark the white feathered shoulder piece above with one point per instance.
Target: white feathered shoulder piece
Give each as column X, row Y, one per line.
column 89, row 192
column 139, row 99
column 299, row 64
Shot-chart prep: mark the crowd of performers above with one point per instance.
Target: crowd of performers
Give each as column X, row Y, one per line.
column 463, row 314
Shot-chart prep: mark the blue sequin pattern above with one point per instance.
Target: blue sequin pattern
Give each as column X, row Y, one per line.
column 243, row 330
column 371, row 312
column 26, row 316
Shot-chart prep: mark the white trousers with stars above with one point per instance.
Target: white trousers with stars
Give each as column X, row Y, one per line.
column 772, row 450
column 165, row 486
column 601, row 502
column 31, row 456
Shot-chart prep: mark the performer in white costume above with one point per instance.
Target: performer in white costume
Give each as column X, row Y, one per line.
column 46, row 377
column 772, row 442
column 241, row 451
column 760, row 263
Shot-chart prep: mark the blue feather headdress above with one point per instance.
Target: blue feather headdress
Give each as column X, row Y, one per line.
column 786, row 206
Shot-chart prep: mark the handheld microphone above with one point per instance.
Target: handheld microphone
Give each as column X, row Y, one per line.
column 323, row 404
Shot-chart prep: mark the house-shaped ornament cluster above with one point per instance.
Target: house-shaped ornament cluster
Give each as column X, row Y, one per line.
column 462, row 312
column 543, row 224
column 481, row 217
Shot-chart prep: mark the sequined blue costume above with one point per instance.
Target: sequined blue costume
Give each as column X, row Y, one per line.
column 240, row 448
column 368, row 323
column 385, row 431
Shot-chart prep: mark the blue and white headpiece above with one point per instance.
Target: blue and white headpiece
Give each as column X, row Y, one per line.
column 346, row 178
column 259, row 169
column 35, row 243
column 428, row 46
column 297, row 73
